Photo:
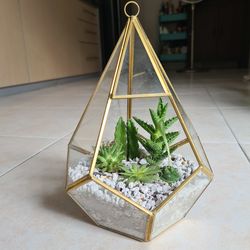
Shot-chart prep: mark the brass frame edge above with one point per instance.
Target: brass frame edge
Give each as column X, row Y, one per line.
column 130, row 72
column 179, row 188
column 97, row 86
column 144, row 38
column 83, row 180
column 149, row 227
column 207, row 172
column 139, row 96
column 113, row 86
column 180, row 143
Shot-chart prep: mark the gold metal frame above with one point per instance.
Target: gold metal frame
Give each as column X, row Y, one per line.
column 127, row 40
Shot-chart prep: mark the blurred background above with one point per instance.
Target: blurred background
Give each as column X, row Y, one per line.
column 51, row 39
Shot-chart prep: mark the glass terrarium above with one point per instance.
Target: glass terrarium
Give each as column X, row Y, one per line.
column 135, row 163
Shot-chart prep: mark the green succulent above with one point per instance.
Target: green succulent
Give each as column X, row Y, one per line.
column 120, row 135
column 132, row 141
column 169, row 174
column 143, row 173
column 158, row 146
column 110, row 158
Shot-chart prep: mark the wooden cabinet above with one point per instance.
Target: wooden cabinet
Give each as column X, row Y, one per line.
column 13, row 65
column 89, row 37
column 52, row 47
column 47, row 39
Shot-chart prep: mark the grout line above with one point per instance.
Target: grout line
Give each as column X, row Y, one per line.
column 228, row 125
column 35, row 154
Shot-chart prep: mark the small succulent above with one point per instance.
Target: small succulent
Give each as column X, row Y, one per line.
column 110, row 158
column 169, row 174
column 143, row 173
column 158, row 145
column 120, row 135
column 132, row 141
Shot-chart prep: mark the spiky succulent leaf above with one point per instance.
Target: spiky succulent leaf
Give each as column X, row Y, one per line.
column 148, row 127
column 132, row 141
column 120, row 134
column 142, row 173
column 171, row 136
column 110, row 158
column 168, row 123
column 155, row 149
column 161, row 109
column 169, row 174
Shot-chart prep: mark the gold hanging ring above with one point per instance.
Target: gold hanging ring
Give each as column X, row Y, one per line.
column 131, row 2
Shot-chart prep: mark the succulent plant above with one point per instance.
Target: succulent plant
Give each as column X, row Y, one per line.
column 142, row 173
column 132, row 141
column 158, row 146
column 169, row 174
column 110, row 158
column 121, row 135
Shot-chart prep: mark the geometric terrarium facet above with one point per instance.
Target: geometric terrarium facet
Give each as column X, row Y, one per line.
column 135, row 163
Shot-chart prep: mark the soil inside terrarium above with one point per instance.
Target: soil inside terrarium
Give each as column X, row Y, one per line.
column 148, row 195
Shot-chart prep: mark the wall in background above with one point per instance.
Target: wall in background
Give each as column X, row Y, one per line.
column 47, row 39
column 149, row 17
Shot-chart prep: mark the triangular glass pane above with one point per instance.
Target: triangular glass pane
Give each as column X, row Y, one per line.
column 194, row 136
column 143, row 78
column 87, row 131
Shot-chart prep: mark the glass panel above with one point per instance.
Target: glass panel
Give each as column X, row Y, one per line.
column 145, row 80
column 87, row 132
column 78, row 165
column 109, row 210
column 193, row 133
column 179, row 205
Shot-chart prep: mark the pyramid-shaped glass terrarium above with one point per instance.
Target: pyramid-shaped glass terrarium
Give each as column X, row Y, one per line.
column 135, row 163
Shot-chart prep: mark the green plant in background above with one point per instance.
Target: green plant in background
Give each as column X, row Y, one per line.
column 142, row 173
column 110, row 158
column 169, row 174
column 158, row 144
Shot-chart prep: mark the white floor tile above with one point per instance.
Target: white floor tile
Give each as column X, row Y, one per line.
column 15, row 150
column 239, row 121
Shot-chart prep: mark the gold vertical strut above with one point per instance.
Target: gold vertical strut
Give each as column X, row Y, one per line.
column 130, row 72
column 114, row 83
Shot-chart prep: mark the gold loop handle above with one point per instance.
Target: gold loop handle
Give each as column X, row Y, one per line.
column 131, row 2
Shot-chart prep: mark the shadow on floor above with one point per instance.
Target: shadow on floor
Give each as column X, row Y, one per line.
column 60, row 202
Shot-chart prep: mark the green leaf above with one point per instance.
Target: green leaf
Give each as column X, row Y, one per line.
column 153, row 148
column 161, row 109
column 110, row 157
column 132, row 140
column 169, row 174
column 155, row 118
column 170, row 122
column 120, row 134
column 148, row 127
column 171, row 136
column 142, row 173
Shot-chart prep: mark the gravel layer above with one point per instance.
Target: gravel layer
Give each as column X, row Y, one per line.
column 148, row 195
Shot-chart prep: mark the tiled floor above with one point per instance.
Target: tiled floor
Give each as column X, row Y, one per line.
column 34, row 131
